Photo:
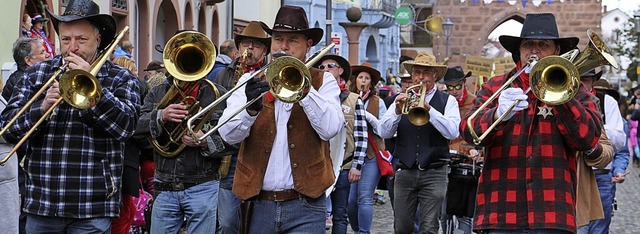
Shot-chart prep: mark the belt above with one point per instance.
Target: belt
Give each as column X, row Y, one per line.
column 284, row 195
column 174, row 186
column 601, row 171
column 432, row 165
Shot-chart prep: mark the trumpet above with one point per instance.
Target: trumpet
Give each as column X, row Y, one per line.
column 289, row 81
column 554, row 79
column 78, row 88
column 414, row 106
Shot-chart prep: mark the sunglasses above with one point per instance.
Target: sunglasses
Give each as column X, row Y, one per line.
column 329, row 65
column 456, row 87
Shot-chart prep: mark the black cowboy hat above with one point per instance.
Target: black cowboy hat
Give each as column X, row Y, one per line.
column 294, row 19
column 90, row 11
column 541, row 27
column 344, row 64
column 592, row 73
column 455, row 74
column 368, row 68
column 38, row 18
column 255, row 30
column 603, row 86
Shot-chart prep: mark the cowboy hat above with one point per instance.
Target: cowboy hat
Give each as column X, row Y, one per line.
column 90, row 11
column 403, row 70
column 455, row 74
column 38, row 18
column 541, row 27
column 154, row 65
column 592, row 74
column 366, row 67
column 342, row 62
column 603, row 86
column 424, row 59
column 294, row 19
column 253, row 31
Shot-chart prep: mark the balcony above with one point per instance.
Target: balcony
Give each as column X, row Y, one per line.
column 378, row 13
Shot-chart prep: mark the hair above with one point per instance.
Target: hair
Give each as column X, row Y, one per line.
column 26, row 17
column 228, row 47
column 623, row 105
column 126, row 45
column 125, row 62
column 22, row 48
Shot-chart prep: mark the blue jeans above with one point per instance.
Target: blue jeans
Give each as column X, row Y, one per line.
column 198, row 204
column 228, row 205
column 360, row 205
column 607, row 193
column 302, row 215
column 46, row 224
column 339, row 198
column 424, row 187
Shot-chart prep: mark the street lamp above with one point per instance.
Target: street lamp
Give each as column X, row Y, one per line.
column 636, row 16
column 447, row 26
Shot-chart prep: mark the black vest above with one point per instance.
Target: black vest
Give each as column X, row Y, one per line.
column 422, row 144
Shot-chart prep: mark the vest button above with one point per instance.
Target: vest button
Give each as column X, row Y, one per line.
column 292, row 146
column 418, row 137
column 290, row 126
column 417, row 154
column 294, row 165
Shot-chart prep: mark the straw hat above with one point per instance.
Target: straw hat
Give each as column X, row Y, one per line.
column 424, row 59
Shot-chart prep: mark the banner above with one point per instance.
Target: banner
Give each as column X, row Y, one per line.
column 503, row 65
column 479, row 66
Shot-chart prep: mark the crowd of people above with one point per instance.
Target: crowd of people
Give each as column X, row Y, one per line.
column 129, row 162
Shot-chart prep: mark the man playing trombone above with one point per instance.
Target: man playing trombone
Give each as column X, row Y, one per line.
column 423, row 151
column 528, row 178
column 74, row 158
column 284, row 166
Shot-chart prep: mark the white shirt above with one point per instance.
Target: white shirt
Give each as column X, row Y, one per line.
column 614, row 126
column 447, row 123
column 322, row 108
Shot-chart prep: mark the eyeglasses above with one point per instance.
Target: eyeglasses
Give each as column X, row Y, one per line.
column 456, row 87
column 329, row 65
column 247, row 42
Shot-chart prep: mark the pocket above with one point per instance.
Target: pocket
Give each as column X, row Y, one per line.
column 315, row 204
column 243, row 172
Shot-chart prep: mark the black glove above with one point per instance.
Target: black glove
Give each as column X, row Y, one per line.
column 253, row 89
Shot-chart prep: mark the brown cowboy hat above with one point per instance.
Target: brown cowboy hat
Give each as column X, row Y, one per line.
column 602, row 85
column 90, row 11
column 455, row 74
column 154, row 65
column 254, row 31
column 342, row 62
column 540, row 26
column 424, row 59
column 366, row 67
column 294, row 19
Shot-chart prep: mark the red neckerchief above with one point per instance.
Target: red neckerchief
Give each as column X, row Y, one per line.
column 342, row 85
column 593, row 91
column 194, row 94
column 254, row 66
column 463, row 96
column 524, row 77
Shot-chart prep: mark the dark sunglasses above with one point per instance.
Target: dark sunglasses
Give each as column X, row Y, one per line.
column 329, row 65
column 456, row 87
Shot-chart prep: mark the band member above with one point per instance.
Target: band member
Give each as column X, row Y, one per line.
column 351, row 142
column 422, row 151
column 284, row 166
column 528, row 177
column 256, row 43
column 74, row 161
column 360, row 205
column 186, row 185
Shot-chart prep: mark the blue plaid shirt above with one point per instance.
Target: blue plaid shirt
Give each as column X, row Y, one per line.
column 74, row 160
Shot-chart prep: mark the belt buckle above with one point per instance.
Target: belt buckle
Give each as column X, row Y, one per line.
column 420, row 167
column 276, row 199
column 177, row 186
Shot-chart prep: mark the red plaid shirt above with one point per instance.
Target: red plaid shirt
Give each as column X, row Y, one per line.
column 528, row 179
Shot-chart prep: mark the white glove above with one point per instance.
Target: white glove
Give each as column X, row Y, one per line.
column 371, row 119
column 506, row 100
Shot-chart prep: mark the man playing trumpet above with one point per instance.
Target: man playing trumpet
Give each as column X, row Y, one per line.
column 423, row 151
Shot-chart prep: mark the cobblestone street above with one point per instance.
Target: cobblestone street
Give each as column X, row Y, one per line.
column 626, row 219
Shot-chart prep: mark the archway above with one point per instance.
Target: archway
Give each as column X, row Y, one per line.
column 215, row 26
column 166, row 25
column 372, row 52
column 143, row 35
column 188, row 17
column 202, row 20
column 37, row 7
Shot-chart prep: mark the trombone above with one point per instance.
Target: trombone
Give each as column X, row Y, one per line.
column 289, row 81
column 78, row 88
column 554, row 79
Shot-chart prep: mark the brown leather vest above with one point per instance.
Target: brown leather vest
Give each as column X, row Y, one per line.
column 374, row 108
column 309, row 155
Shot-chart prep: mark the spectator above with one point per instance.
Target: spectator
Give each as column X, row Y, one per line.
column 228, row 53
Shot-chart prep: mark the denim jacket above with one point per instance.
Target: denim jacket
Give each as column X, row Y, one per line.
column 193, row 164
